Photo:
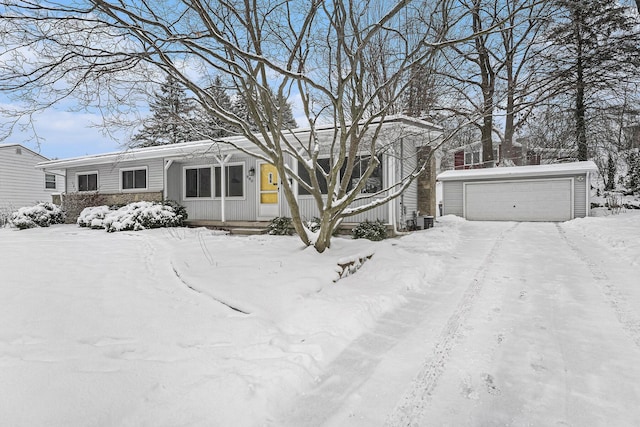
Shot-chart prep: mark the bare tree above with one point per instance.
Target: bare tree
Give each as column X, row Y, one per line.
column 335, row 55
column 499, row 35
column 591, row 48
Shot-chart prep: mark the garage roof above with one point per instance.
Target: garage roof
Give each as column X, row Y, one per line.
column 556, row 169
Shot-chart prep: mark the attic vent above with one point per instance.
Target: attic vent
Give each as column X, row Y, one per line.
column 18, row 150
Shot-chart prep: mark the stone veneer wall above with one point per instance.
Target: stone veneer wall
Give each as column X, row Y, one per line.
column 74, row 203
column 427, row 182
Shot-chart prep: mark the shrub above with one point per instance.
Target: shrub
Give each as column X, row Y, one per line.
column 375, row 231
column 41, row 215
column 93, row 216
column 313, row 224
column 134, row 216
column 280, row 226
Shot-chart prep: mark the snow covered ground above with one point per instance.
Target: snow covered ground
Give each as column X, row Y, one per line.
column 467, row 323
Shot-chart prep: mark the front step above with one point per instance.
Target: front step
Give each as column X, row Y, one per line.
column 247, row 231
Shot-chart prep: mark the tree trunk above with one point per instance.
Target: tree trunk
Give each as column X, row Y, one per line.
column 487, row 75
column 581, row 131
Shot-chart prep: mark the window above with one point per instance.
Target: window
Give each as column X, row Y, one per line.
column 49, row 181
column 198, row 182
column 374, row 182
column 471, row 157
column 302, row 173
column 88, row 181
column 234, row 175
column 133, row 179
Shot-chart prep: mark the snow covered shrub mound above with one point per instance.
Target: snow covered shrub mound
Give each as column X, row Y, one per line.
column 93, row 216
column 375, row 231
column 134, row 216
column 41, row 215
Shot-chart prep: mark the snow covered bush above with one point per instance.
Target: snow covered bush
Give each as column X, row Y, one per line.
column 93, row 216
column 313, row 224
column 281, row 226
column 41, row 215
column 375, row 231
column 134, row 216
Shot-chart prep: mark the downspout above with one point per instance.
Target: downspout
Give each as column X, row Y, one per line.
column 167, row 165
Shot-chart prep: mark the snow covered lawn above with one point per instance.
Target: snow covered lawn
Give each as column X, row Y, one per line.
column 466, row 323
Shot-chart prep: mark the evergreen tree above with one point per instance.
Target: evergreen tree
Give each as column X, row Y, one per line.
column 240, row 108
column 611, row 173
column 209, row 126
column 590, row 49
column 172, row 119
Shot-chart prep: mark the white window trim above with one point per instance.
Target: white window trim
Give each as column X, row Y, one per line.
column 55, row 181
column 134, row 190
column 244, row 183
column 471, row 153
column 184, row 183
column 95, row 172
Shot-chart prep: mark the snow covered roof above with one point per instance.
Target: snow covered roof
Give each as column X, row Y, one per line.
column 223, row 145
column 519, row 171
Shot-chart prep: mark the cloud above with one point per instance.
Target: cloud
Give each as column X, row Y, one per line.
column 67, row 134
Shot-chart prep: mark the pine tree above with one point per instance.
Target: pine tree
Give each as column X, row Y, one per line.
column 592, row 48
column 172, row 119
column 240, row 108
column 209, row 126
column 611, row 173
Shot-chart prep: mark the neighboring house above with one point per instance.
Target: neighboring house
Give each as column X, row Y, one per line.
column 21, row 184
column 556, row 192
column 470, row 156
column 217, row 182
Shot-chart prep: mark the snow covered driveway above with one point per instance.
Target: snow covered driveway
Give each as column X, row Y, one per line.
column 529, row 324
column 468, row 323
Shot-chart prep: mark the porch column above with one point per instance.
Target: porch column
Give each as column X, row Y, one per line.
column 167, row 165
column 222, row 161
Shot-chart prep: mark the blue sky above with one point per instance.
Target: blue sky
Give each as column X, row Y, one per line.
column 67, row 134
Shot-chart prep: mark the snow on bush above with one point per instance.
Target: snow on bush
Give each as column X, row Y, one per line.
column 134, row 216
column 41, row 215
column 93, row 216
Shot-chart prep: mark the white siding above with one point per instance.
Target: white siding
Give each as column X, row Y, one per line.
column 109, row 175
column 407, row 203
column 452, row 195
column 580, row 202
column 244, row 209
column 21, row 184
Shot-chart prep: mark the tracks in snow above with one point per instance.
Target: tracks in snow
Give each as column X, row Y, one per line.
column 409, row 411
column 627, row 317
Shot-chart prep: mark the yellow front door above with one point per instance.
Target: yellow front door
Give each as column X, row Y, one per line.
column 268, row 190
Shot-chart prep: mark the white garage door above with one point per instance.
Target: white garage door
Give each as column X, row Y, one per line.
column 526, row 200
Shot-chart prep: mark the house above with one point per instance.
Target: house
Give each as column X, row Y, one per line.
column 222, row 182
column 21, row 184
column 555, row 192
column 470, row 156
column 522, row 154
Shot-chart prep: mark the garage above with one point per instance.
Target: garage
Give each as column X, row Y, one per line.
column 558, row 192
